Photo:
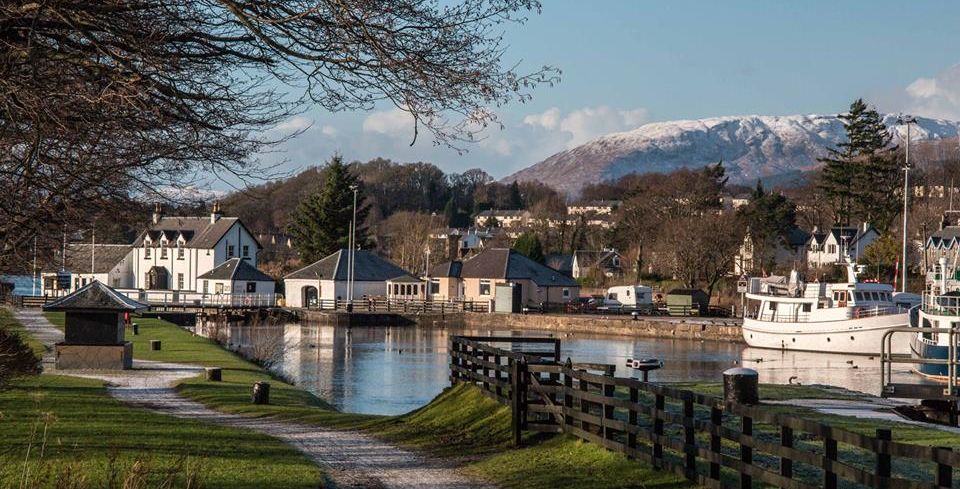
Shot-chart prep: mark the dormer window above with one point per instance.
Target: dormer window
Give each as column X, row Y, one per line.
column 180, row 253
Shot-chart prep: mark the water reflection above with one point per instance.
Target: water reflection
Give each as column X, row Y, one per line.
column 396, row 370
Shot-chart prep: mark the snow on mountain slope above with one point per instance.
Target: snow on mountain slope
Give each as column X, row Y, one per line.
column 751, row 147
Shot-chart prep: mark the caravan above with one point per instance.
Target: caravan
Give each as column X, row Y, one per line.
column 629, row 297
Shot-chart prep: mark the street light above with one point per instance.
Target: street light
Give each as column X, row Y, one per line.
column 353, row 244
column 905, row 120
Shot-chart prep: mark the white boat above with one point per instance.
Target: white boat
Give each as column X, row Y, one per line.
column 940, row 309
column 850, row 317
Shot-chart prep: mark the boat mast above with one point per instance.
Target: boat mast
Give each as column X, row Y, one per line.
column 907, row 120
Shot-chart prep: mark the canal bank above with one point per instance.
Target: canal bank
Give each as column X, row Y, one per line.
column 717, row 329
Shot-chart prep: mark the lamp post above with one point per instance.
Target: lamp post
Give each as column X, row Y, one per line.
column 906, row 120
column 353, row 245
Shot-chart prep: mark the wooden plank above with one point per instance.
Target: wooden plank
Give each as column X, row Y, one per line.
column 746, row 452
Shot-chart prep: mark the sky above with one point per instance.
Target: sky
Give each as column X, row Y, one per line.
column 629, row 62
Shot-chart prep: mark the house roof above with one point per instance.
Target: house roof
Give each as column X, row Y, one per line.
column 447, row 269
column 95, row 296
column 841, row 233
column 495, row 213
column 947, row 237
column 589, row 258
column 105, row 257
column 405, row 278
column 598, row 203
column 236, row 269
column 797, row 237
column 560, row 263
column 507, row 263
column 367, row 267
column 197, row 232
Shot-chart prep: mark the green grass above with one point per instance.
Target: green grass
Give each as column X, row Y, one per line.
column 7, row 322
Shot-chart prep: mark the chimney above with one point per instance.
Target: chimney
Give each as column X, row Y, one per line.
column 215, row 215
column 157, row 213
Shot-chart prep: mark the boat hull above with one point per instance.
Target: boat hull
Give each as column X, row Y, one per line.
column 922, row 350
column 852, row 336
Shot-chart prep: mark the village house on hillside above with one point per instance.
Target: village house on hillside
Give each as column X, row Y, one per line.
column 477, row 278
column 326, row 279
column 827, row 248
column 504, row 219
column 603, row 263
column 945, row 242
column 594, row 207
column 792, row 252
column 106, row 263
column 461, row 243
column 174, row 251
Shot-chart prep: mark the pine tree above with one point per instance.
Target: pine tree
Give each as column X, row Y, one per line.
column 529, row 245
column 851, row 169
column 769, row 218
column 321, row 223
column 516, row 200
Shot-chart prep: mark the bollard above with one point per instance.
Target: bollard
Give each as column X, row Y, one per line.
column 155, row 345
column 136, row 329
column 740, row 386
column 214, row 374
column 261, row 393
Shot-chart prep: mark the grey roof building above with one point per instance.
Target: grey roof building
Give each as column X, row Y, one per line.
column 93, row 297
column 238, row 270
column 367, row 267
column 509, row 264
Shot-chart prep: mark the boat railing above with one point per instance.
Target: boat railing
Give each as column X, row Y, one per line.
column 856, row 312
column 951, row 389
column 942, row 305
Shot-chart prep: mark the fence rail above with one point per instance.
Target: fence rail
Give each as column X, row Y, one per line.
column 383, row 304
column 700, row 437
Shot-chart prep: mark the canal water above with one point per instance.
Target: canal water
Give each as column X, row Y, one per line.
column 395, row 370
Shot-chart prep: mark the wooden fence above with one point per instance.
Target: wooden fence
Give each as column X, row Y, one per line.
column 702, row 438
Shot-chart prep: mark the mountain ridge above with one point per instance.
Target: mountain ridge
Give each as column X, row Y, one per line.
column 752, row 147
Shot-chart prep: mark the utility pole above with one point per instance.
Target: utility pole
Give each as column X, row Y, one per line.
column 34, row 281
column 907, row 120
column 353, row 245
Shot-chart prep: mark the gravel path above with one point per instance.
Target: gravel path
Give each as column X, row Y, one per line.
column 350, row 459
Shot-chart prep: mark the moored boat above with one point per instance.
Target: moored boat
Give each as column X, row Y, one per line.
column 850, row 317
column 940, row 310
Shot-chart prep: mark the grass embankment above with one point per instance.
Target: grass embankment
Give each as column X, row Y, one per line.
column 459, row 423
column 72, row 433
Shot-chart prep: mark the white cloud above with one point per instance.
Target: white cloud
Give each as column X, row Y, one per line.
column 293, row 124
column 329, row 130
column 937, row 96
column 393, row 122
column 582, row 125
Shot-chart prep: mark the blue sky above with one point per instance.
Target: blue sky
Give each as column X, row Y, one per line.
column 626, row 63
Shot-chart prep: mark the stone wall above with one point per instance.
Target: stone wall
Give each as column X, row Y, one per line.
column 94, row 357
column 688, row 328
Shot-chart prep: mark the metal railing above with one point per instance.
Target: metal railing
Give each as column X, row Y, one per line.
column 805, row 317
column 942, row 305
column 384, row 304
column 199, row 299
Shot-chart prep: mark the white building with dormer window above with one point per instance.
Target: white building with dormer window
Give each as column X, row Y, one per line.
column 175, row 250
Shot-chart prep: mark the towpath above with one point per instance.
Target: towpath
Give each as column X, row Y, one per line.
column 351, row 459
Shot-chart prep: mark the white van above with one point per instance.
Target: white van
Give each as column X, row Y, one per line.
column 629, row 297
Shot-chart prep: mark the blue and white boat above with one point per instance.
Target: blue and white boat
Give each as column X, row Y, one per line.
column 939, row 309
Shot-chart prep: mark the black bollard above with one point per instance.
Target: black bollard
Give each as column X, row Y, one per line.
column 740, row 386
column 155, row 345
column 136, row 329
column 261, row 393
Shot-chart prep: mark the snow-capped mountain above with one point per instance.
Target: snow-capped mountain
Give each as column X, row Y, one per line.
column 751, row 147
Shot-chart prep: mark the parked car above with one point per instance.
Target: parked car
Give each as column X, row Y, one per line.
column 583, row 304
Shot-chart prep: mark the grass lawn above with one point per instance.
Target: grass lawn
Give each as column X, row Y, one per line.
column 93, row 440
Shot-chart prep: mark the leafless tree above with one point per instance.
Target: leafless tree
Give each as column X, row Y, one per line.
column 104, row 103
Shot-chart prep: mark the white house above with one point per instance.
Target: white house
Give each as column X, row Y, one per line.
column 605, row 263
column 235, row 276
column 174, row 251
column 791, row 252
column 463, row 242
column 109, row 264
column 504, row 219
column 945, row 242
column 827, row 248
column 326, row 279
column 594, row 208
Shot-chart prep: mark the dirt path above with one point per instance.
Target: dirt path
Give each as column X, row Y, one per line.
column 351, row 459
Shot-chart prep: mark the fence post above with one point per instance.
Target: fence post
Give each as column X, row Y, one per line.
column 454, row 360
column 944, row 472
column 517, row 398
column 584, row 405
column 786, row 441
column 486, row 371
column 632, row 420
column 567, row 397
column 830, row 450
column 746, row 452
column 716, row 420
column 883, row 455
column 496, row 375
column 659, row 408
column 689, row 440
column 608, row 390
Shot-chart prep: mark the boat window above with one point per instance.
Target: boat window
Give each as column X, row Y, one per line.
column 772, row 306
column 860, row 296
column 806, row 307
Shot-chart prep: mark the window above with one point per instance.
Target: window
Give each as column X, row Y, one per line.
column 434, row 286
column 251, row 287
column 179, row 281
column 628, row 292
column 163, row 253
column 76, row 283
column 180, row 253
column 772, row 306
column 206, row 286
column 859, row 296
column 612, row 296
column 246, row 251
column 146, row 253
column 566, row 293
column 83, row 282
column 218, row 288
column 230, row 251
column 831, row 249
column 484, row 287
column 806, row 307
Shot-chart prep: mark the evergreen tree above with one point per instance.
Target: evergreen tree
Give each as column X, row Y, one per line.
column 850, row 170
column 769, row 218
column 529, row 245
column 516, row 200
column 321, row 223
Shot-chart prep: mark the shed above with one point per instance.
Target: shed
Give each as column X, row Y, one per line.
column 93, row 328
column 687, row 302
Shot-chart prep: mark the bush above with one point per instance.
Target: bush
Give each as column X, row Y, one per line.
column 16, row 357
